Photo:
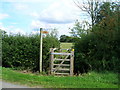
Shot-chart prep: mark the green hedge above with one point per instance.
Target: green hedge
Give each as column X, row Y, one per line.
column 23, row 51
column 97, row 52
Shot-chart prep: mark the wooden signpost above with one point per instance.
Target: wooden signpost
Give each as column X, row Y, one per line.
column 40, row 61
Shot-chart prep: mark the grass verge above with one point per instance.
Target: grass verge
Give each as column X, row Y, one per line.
column 91, row 80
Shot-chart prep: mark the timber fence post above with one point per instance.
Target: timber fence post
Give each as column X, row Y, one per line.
column 52, row 59
column 72, row 63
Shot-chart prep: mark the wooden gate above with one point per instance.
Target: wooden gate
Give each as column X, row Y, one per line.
column 62, row 63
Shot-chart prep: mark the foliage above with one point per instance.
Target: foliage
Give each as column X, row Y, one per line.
column 79, row 29
column 93, row 53
column 91, row 7
column 53, row 33
column 65, row 38
column 106, row 10
column 48, row 42
column 99, row 50
column 0, row 47
column 23, row 51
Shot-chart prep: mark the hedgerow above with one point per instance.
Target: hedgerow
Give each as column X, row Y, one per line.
column 22, row 52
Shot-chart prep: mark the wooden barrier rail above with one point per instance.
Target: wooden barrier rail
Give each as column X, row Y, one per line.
column 62, row 61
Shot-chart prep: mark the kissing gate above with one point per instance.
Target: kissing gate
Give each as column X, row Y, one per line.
column 62, row 63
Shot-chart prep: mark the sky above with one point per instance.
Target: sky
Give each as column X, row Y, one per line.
column 27, row 16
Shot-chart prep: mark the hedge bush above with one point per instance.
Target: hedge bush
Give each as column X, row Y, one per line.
column 99, row 49
column 22, row 52
column 97, row 52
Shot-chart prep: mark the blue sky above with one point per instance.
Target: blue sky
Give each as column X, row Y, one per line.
column 26, row 15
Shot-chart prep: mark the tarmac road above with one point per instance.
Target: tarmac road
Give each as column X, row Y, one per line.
column 10, row 85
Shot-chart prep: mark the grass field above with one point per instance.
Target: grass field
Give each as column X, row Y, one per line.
column 91, row 80
column 66, row 45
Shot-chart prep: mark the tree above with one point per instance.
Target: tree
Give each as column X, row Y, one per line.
column 91, row 7
column 100, row 49
column 63, row 38
column 3, row 33
column 108, row 10
column 53, row 33
column 79, row 29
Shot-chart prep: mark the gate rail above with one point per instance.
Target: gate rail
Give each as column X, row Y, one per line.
column 57, row 69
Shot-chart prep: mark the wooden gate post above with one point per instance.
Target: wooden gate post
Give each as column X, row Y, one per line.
column 72, row 62
column 52, row 60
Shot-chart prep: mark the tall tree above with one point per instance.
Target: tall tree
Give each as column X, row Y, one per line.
column 63, row 38
column 80, row 29
column 91, row 7
column 101, row 47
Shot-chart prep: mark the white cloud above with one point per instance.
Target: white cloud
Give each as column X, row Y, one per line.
column 35, row 14
column 27, row 0
column 61, row 15
column 38, row 24
column 3, row 16
column 18, row 30
column 62, row 28
column 61, row 11
column 1, row 26
column 12, row 29
column 35, row 32
column 20, row 6
column 14, row 23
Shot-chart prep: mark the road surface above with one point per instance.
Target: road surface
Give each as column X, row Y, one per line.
column 10, row 85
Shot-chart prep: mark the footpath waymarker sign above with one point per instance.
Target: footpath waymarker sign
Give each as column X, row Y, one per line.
column 45, row 32
column 40, row 61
